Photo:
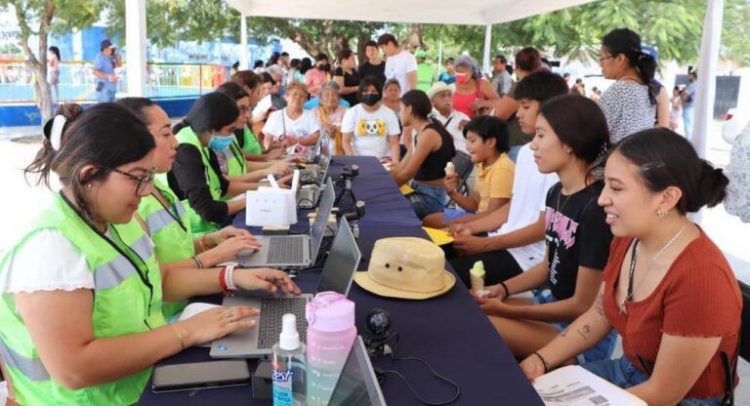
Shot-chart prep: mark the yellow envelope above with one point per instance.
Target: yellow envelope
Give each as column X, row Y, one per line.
column 438, row 236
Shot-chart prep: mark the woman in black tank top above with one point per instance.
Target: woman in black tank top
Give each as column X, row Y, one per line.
column 425, row 163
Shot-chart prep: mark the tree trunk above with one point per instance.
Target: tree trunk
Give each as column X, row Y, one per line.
column 38, row 65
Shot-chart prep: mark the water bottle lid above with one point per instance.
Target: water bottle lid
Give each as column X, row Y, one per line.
column 330, row 311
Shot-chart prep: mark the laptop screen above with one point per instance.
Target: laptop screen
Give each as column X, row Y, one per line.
column 321, row 220
column 357, row 384
column 341, row 263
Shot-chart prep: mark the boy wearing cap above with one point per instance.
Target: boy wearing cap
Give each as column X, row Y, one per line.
column 441, row 97
column 104, row 70
column 516, row 241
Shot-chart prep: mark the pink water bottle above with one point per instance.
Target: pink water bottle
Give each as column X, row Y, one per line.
column 330, row 335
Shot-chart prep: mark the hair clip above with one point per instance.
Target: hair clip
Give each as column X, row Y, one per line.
column 652, row 165
column 55, row 134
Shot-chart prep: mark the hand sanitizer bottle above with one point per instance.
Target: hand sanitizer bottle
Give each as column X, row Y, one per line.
column 289, row 380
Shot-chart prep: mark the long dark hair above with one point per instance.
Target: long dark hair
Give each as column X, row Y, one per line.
column 419, row 103
column 247, row 78
column 626, row 42
column 580, row 124
column 55, row 50
column 137, row 106
column 106, row 135
column 211, row 112
column 667, row 159
column 233, row 90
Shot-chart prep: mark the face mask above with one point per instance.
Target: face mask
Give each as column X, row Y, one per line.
column 370, row 99
column 220, row 143
column 462, row 77
column 324, row 67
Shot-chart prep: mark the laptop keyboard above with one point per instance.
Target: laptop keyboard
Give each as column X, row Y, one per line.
column 272, row 311
column 284, row 250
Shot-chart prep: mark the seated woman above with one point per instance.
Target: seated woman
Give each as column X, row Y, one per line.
column 196, row 174
column 487, row 142
column 232, row 160
column 247, row 139
column 293, row 125
column 571, row 134
column 165, row 217
column 370, row 128
column 425, row 163
column 86, row 327
column 329, row 115
column 667, row 289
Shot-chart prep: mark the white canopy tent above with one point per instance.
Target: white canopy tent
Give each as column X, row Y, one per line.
column 470, row 12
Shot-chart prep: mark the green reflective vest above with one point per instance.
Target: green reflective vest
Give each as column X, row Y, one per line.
column 169, row 228
column 250, row 142
column 198, row 224
column 127, row 300
column 236, row 165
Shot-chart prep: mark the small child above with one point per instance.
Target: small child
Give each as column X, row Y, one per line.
column 487, row 143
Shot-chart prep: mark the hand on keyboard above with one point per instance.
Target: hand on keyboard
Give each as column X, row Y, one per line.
column 214, row 323
column 267, row 279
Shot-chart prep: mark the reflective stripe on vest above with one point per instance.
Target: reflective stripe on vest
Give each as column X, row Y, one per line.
column 162, row 218
column 31, row 367
column 114, row 272
column 236, row 165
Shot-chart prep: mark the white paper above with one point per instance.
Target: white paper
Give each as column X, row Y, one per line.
column 575, row 386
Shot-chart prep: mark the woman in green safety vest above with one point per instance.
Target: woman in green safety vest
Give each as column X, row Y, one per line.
column 196, row 175
column 236, row 167
column 249, row 142
column 164, row 216
column 86, row 327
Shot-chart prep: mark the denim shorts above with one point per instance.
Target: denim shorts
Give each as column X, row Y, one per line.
column 427, row 199
column 601, row 351
column 621, row 372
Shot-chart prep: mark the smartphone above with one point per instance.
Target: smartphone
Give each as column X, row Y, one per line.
column 200, row 375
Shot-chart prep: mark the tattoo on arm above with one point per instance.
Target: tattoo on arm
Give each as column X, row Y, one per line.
column 584, row 331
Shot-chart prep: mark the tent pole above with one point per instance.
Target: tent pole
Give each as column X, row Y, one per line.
column 135, row 43
column 706, row 90
column 244, row 57
column 486, row 57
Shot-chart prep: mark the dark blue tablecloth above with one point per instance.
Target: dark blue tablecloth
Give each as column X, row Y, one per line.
column 449, row 331
column 385, row 205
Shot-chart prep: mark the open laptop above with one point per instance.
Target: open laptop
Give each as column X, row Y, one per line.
column 338, row 272
column 292, row 251
column 308, row 195
column 357, row 385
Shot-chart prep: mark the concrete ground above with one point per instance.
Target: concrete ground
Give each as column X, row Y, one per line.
column 23, row 198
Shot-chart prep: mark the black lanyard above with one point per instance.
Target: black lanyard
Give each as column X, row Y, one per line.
column 140, row 266
column 173, row 205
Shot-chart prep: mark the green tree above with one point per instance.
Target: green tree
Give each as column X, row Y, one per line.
column 40, row 18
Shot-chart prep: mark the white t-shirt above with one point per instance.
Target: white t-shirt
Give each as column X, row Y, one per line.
column 371, row 131
column 453, row 120
column 29, row 271
column 529, row 192
column 397, row 66
column 280, row 125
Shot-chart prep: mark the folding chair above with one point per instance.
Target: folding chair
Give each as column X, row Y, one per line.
column 464, row 166
column 730, row 366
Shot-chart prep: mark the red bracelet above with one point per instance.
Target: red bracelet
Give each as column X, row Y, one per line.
column 223, row 282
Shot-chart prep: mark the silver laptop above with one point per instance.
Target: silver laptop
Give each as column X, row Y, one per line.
column 337, row 275
column 357, row 384
column 292, row 251
column 308, row 195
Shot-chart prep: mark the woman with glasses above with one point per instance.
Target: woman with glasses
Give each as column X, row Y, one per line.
column 232, row 160
column 630, row 103
column 196, row 174
column 86, row 327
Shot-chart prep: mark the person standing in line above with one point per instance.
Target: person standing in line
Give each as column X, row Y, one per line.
column 400, row 64
column 448, row 76
column 347, row 77
column 374, row 65
column 315, row 78
column 688, row 103
column 502, row 82
column 104, row 70
column 425, row 74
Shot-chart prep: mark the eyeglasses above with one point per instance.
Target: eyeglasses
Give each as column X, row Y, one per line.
column 140, row 181
column 603, row 58
column 244, row 109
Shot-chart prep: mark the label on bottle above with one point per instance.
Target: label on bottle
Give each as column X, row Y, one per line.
column 282, row 387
